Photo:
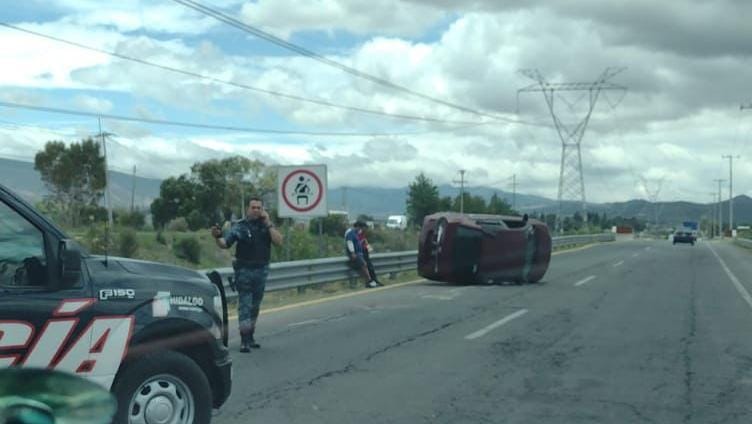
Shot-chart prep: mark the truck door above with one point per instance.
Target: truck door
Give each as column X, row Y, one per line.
column 38, row 323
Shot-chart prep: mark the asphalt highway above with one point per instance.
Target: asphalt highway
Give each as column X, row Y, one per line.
column 623, row 332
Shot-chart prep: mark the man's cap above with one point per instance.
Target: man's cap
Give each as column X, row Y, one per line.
column 360, row 224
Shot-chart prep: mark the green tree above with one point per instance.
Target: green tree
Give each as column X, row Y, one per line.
column 213, row 191
column 445, row 203
column 499, row 206
column 332, row 225
column 177, row 197
column 422, row 199
column 74, row 175
column 550, row 221
column 226, row 183
column 472, row 204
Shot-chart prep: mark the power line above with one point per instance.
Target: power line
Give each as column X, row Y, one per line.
column 207, row 126
column 289, row 96
column 229, row 20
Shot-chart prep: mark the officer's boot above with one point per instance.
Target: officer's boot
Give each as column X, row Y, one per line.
column 245, row 341
column 251, row 341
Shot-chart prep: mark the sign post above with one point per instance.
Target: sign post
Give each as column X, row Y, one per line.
column 301, row 193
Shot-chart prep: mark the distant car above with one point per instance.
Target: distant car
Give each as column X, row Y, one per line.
column 685, row 237
column 463, row 248
column 396, row 222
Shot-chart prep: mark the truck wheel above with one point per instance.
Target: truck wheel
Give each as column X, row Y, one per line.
column 164, row 387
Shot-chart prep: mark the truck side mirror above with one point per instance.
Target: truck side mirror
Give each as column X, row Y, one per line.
column 70, row 266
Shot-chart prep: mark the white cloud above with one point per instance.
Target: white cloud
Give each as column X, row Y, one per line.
column 92, row 104
column 390, row 17
column 681, row 107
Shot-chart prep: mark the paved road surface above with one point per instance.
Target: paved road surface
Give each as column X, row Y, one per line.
column 626, row 332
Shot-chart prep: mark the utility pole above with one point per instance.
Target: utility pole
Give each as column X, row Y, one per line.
column 514, row 191
column 107, row 193
column 133, row 189
column 720, row 208
column 731, row 190
column 461, row 182
column 713, row 211
column 571, row 180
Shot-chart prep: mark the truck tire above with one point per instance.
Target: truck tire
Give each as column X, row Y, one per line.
column 164, row 387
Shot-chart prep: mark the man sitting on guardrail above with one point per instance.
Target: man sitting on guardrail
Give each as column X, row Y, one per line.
column 354, row 251
column 254, row 236
column 367, row 256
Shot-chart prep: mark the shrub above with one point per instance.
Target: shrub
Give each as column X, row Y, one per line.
column 127, row 244
column 178, row 224
column 161, row 238
column 95, row 239
column 332, row 225
column 195, row 221
column 135, row 219
column 188, row 249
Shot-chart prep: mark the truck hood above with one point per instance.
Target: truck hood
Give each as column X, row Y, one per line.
column 154, row 276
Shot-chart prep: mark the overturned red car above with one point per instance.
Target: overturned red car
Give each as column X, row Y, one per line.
column 469, row 248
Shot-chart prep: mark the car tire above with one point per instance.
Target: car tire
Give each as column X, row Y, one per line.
column 165, row 383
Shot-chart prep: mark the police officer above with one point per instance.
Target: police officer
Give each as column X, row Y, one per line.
column 254, row 236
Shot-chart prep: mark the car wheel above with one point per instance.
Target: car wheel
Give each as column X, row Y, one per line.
column 164, row 387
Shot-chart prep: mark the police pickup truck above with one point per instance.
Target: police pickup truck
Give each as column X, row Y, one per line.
column 154, row 334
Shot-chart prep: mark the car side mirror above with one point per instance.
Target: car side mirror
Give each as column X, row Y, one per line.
column 70, row 266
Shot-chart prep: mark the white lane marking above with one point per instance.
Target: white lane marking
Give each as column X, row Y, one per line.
column 584, row 280
column 483, row 331
column 619, row 263
column 634, row 255
column 739, row 287
column 310, row 321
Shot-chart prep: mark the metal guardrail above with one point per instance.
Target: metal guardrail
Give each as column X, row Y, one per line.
column 743, row 242
column 306, row 273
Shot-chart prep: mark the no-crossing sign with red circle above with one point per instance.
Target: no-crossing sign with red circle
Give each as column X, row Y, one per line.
column 302, row 191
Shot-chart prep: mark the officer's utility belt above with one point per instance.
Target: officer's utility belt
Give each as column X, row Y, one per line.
column 244, row 263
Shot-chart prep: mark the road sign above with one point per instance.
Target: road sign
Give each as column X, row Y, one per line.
column 301, row 191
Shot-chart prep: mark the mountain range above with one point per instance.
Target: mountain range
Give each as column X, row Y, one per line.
column 380, row 202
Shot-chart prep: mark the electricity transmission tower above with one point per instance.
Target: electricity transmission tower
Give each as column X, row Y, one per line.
column 571, row 180
column 653, row 194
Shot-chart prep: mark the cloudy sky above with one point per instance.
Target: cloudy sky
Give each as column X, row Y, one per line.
column 688, row 70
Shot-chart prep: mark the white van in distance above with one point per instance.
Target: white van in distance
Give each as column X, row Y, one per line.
column 396, row 222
